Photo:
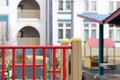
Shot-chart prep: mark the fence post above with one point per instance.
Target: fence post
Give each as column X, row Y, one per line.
column 64, row 42
column 76, row 59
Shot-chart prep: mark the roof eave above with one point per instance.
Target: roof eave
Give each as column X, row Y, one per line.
column 112, row 16
column 91, row 19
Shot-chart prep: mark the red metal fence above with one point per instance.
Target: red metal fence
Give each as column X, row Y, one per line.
column 34, row 64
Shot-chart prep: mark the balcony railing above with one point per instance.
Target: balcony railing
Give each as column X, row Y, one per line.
column 28, row 14
column 28, row 41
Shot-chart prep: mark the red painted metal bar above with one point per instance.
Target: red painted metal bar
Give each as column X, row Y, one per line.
column 3, row 63
column 27, row 65
column 44, row 64
column 54, row 64
column 34, row 64
column 57, row 71
column 24, row 65
column 64, row 64
column 30, row 47
column 23, row 68
column 1, row 71
column 13, row 64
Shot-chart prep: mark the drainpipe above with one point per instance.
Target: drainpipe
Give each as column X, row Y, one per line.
column 50, row 36
column 72, row 19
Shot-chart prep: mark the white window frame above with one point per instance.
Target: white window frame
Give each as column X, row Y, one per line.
column 90, row 28
column 64, row 6
column 59, row 5
column 64, row 28
column 68, row 5
column 115, row 37
column 89, row 7
column 114, row 5
column 3, row 3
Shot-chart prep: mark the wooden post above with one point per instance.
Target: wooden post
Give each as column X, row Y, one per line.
column 64, row 42
column 76, row 59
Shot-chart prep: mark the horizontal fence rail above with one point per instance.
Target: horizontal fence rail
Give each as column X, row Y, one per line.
column 13, row 64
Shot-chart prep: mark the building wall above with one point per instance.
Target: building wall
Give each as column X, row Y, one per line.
column 15, row 24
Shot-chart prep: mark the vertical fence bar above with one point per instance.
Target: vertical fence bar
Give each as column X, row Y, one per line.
column 44, row 64
column 3, row 64
column 23, row 68
column 64, row 64
column 34, row 64
column 13, row 64
column 54, row 64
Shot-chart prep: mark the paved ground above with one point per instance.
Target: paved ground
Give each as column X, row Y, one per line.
column 87, row 73
column 108, row 74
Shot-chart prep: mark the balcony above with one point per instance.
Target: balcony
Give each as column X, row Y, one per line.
column 22, row 14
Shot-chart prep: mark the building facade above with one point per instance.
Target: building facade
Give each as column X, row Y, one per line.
column 80, row 27
column 43, row 22
column 24, row 22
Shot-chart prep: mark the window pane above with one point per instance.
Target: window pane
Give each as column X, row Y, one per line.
column 111, row 25
column 93, row 34
column 3, row 33
column 93, row 8
column 68, row 5
column 111, row 7
column 60, row 33
column 2, row 2
column 68, row 25
column 60, row 25
column 118, row 4
column 60, row 5
column 86, row 6
column 68, row 33
column 86, row 34
column 86, row 25
column 93, row 25
column 111, row 34
column 118, row 35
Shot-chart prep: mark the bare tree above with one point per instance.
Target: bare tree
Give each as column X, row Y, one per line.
column 3, row 38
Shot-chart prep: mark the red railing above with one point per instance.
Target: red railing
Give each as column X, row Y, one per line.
column 34, row 65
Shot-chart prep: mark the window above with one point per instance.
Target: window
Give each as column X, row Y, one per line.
column 3, row 2
column 86, row 34
column 3, row 33
column 93, row 33
column 60, row 33
column 117, row 4
column 114, row 32
column 68, row 33
column 90, row 30
column 93, row 5
column 111, row 34
column 118, row 35
column 93, row 25
column 68, row 5
column 90, row 5
column 60, row 5
column 113, row 5
column 86, row 5
column 64, row 30
column 86, row 25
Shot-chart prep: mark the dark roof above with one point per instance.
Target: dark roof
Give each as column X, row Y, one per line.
column 113, row 18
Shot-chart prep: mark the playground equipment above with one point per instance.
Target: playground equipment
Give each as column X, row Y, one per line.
column 91, row 60
column 47, row 68
column 8, row 73
column 76, row 62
